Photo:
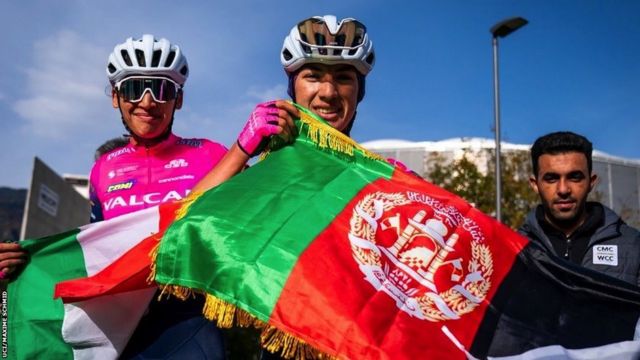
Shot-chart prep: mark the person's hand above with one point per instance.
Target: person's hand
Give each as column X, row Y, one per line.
column 11, row 256
column 267, row 119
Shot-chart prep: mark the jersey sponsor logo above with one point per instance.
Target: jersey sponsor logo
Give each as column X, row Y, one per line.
column 122, row 171
column 176, row 178
column 124, row 150
column 605, row 255
column 176, row 163
column 196, row 143
column 121, row 186
column 154, row 198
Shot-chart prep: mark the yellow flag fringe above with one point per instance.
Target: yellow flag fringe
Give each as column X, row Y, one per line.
column 226, row 315
column 153, row 255
column 186, row 203
column 180, row 213
column 289, row 346
column 326, row 137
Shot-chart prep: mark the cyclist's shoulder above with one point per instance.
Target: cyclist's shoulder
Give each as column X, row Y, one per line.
column 115, row 154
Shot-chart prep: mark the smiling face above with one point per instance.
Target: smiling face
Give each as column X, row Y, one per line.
column 329, row 91
column 147, row 119
column 563, row 183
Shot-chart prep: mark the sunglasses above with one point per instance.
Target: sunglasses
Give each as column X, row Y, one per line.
column 132, row 89
column 314, row 33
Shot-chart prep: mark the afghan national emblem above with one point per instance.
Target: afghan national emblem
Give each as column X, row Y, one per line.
column 409, row 246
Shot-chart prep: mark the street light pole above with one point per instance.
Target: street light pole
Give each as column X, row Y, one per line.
column 501, row 29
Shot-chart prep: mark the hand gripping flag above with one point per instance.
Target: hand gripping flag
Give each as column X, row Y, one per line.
column 336, row 253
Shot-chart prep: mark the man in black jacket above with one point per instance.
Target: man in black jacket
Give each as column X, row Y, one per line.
column 565, row 223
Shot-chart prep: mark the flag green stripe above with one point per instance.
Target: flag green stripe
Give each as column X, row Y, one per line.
column 302, row 190
column 35, row 319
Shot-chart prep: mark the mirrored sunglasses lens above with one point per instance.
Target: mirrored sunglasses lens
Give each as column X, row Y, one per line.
column 162, row 89
column 351, row 34
column 131, row 90
column 315, row 32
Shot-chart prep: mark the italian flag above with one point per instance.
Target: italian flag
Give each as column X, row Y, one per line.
column 86, row 327
column 332, row 251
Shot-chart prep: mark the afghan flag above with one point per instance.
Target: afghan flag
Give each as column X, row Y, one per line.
column 334, row 252
column 86, row 327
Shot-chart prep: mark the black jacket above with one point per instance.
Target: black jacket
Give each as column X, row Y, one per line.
column 614, row 231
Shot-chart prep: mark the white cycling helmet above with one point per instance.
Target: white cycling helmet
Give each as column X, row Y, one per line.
column 147, row 56
column 322, row 39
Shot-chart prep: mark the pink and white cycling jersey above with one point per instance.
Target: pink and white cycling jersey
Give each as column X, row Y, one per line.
column 134, row 177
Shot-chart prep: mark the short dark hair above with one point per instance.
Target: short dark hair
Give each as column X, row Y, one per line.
column 558, row 143
column 110, row 145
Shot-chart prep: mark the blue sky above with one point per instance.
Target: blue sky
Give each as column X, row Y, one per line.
column 576, row 66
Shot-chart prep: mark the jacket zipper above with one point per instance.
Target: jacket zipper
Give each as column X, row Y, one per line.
column 148, row 173
column 567, row 252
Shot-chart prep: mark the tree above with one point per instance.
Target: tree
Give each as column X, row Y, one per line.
column 464, row 178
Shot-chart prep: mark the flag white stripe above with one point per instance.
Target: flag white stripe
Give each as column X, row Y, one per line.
column 105, row 241
column 615, row 351
column 100, row 328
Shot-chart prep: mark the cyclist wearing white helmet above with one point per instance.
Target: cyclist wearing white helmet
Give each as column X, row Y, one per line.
column 147, row 65
column 147, row 76
column 326, row 61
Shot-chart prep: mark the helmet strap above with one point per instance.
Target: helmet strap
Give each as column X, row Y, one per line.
column 291, row 85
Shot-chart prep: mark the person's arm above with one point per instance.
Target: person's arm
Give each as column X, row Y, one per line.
column 267, row 119
column 232, row 163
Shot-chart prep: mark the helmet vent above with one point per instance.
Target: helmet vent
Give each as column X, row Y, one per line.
column 126, row 58
column 305, row 48
column 370, row 59
column 287, row 54
column 325, row 39
column 321, row 41
column 147, row 57
column 172, row 55
column 156, row 58
column 140, row 58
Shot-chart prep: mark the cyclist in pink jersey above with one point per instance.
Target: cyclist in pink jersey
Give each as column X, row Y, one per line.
column 147, row 77
column 135, row 177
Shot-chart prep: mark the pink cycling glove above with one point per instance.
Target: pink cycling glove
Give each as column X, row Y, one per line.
column 262, row 124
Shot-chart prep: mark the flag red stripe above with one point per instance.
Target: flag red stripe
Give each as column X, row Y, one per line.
column 327, row 302
column 129, row 273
